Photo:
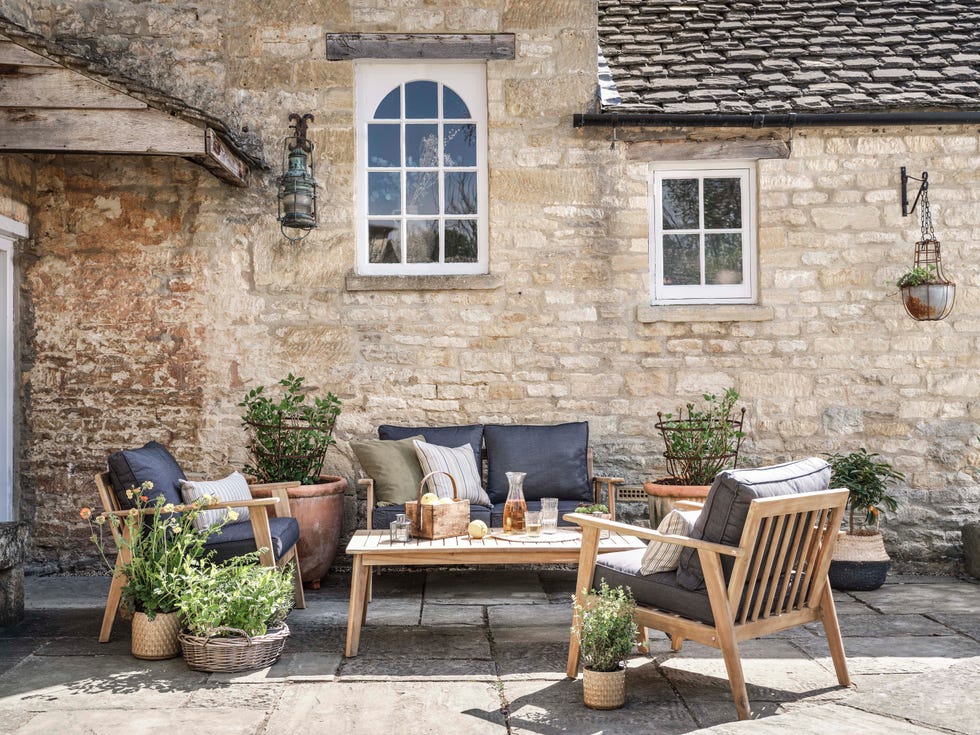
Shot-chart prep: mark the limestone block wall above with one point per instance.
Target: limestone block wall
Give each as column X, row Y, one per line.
column 160, row 295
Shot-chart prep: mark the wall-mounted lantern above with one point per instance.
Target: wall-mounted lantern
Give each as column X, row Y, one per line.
column 926, row 292
column 297, row 187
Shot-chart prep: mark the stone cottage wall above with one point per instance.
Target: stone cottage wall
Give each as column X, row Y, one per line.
column 160, row 295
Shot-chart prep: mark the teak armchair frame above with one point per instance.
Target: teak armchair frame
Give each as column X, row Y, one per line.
column 260, row 510
column 778, row 580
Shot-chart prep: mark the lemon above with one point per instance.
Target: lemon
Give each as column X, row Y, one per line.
column 446, row 501
column 477, row 529
column 430, row 499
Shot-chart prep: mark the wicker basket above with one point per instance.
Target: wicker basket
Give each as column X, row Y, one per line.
column 604, row 689
column 237, row 653
column 156, row 639
column 438, row 521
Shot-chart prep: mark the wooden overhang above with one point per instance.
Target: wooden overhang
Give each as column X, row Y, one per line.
column 46, row 106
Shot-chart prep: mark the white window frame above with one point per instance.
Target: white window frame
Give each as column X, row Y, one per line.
column 373, row 80
column 10, row 230
column 745, row 292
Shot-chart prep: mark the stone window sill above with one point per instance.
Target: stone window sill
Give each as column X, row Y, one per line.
column 486, row 282
column 647, row 314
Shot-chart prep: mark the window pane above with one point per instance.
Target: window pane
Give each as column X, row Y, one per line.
column 722, row 203
column 422, row 193
column 384, row 193
column 723, row 258
column 421, row 145
column 680, row 204
column 453, row 106
column 384, row 241
column 390, row 107
column 423, row 241
column 682, row 262
column 459, row 142
column 384, row 145
column 421, row 99
column 461, row 192
column 461, row 241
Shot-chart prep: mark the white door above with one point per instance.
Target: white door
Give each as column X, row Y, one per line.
column 9, row 230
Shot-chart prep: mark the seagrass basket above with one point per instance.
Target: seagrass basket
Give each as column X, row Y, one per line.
column 241, row 652
column 604, row 689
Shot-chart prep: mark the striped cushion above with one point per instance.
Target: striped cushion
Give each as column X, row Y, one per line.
column 233, row 487
column 664, row 557
column 459, row 463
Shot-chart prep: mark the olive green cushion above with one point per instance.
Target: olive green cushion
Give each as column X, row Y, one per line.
column 394, row 467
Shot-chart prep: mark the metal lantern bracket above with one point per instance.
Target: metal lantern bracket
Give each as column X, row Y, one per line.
column 297, row 189
column 924, row 186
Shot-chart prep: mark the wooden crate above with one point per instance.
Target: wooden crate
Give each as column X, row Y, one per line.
column 438, row 521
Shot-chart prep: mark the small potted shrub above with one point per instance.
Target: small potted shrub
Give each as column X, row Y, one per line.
column 234, row 614
column 860, row 561
column 288, row 438
column 606, row 633
column 927, row 296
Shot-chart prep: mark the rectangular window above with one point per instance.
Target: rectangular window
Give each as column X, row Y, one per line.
column 702, row 237
column 10, row 230
column 421, row 168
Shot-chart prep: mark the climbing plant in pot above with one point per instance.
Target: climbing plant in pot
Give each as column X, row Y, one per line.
column 698, row 445
column 288, row 439
column 606, row 632
column 860, row 561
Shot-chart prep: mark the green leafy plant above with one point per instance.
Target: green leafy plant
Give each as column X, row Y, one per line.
column 704, row 442
column 289, row 437
column 161, row 542
column 867, row 478
column 606, row 632
column 596, row 508
column 920, row 275
column 238, row 594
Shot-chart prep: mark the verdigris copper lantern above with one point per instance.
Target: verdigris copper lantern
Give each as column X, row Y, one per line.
column 926, row 292
column 297, row 186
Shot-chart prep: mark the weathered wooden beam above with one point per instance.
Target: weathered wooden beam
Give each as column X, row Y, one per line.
column 11, row 53
column 56, row 87
column 705, row 150
column 345, row 46
column 222, row 162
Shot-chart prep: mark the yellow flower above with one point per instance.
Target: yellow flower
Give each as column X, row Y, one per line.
column 168, row 508
column 100, row 520
column 232, row 515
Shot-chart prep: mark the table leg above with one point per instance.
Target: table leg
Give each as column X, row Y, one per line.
column 358, row 604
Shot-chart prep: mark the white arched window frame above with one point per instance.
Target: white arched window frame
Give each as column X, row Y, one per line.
column 401, row 221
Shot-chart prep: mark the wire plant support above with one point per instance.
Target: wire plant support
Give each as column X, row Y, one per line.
column 926, row 292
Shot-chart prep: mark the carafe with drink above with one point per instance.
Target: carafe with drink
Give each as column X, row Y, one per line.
column 515, row 508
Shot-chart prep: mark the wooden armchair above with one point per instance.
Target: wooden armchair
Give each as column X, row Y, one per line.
column 260, row 511
column 774, row 578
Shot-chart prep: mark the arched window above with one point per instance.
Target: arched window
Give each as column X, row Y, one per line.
column 422, row 169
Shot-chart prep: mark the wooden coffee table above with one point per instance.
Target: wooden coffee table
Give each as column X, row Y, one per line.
column 373, row 548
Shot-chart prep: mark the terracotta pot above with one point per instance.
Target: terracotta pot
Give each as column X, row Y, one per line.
column 155, row 639
column 860, row 562
column 663, row 493
column 319, row 510
column 604, row 689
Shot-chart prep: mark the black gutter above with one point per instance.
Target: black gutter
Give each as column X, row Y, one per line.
column 776, row 120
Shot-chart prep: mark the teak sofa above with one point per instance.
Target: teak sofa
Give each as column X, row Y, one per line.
column 556, row 458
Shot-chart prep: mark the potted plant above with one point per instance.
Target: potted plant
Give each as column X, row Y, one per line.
column 600, row 510
column 926, row 295
column 606, row 633
column 234, row 614
column 860, row 561
column 697, row 446
column 157, row 542
column 288, row 438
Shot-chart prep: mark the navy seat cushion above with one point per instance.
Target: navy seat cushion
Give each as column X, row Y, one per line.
column 555, row 459
column 564, row 506
column 443, row 436
column 727, row 505
column 130, row 468
column 385, row 514
column 235, row 539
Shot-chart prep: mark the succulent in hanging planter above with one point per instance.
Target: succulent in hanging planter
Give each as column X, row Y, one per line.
column 289, row 437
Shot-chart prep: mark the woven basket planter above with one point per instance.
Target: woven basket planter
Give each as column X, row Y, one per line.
column 860, row 563
column 155, row 639
column 604, row 689
column 236, row 653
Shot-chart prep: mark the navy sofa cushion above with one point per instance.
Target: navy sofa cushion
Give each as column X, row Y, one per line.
column 382, row 516
column 564, row 506
column 444, row 436
column 130, row 468
column 727, row 505
column 555, row 459
column 235, row 539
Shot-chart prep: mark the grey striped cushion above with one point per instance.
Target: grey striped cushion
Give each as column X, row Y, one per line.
column 459, row 463
column 663, row 557
column 233, row 487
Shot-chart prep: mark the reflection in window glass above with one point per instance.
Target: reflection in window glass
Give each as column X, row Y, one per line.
column 421, row 146
column 453, row 107
column 384, row 193
column 384, row 241
column 422, row 241
column 680, row 204
column 422, row 100
column 422, row 193
column 460, row 145
column 391, row 106
column 461, row 241
column 461, row 192
column 682, row 260
column 722, row 203
column 723, row 258
column 384, row 146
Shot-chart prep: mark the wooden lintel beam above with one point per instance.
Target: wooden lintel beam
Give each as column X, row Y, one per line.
column 345, row 46
column 11, row 53
column 222, row 162
column 56, row 87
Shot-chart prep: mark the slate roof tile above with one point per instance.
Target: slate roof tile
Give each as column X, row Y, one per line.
column 784, row 55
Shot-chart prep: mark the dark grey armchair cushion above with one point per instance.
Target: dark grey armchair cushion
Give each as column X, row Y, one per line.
column 130, row 468
column 443, row 436
column 235, row 539
column 555, row 459
column 723, row 517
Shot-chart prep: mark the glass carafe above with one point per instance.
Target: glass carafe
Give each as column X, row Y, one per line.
column 516, row 507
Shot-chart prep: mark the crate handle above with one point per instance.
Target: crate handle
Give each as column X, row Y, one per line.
column 426, row 479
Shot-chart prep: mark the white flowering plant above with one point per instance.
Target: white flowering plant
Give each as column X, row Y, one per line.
column 157, row 543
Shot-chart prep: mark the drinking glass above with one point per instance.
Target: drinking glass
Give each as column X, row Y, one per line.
column 533, row 519
column 549, row 515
